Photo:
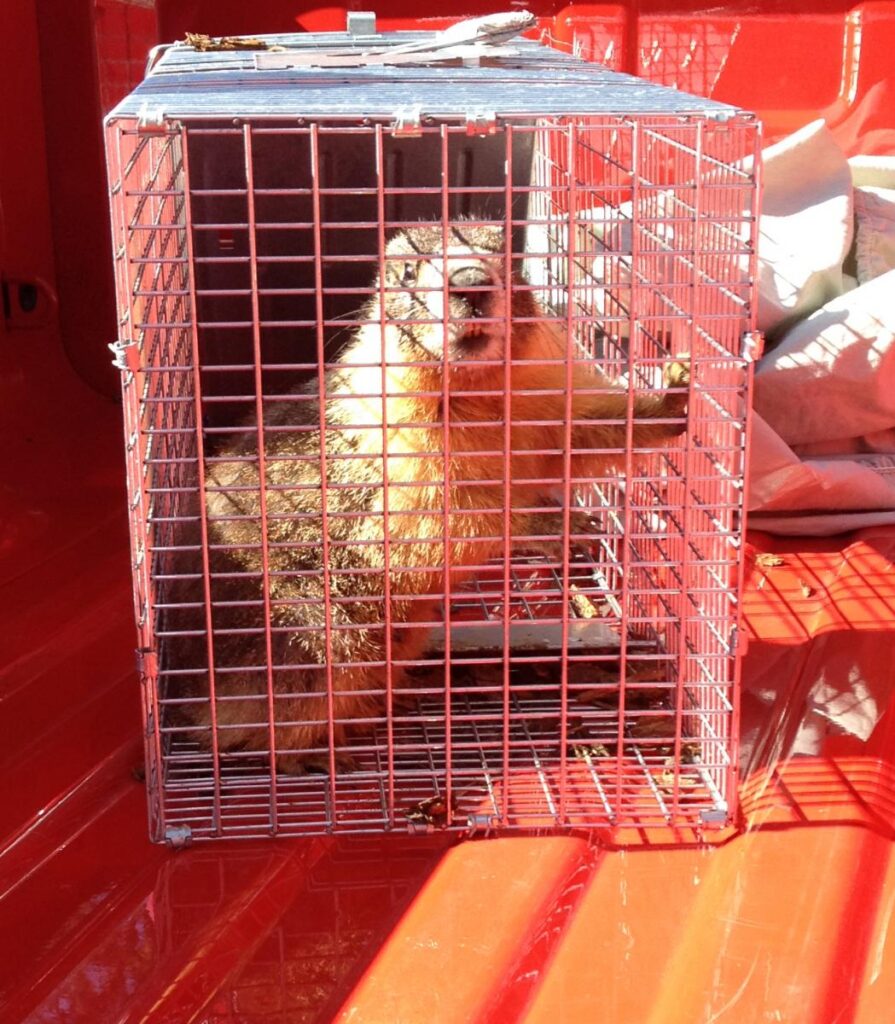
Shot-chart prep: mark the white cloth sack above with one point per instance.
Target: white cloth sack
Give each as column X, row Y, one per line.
column 806, row 225
column 816, row 496
column 823, row 452
column 823, row 444
column 832, row 377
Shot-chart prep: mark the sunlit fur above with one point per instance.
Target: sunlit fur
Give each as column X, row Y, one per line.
column 409, row 397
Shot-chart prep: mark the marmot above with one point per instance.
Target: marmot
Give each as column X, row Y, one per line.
column 388, row 391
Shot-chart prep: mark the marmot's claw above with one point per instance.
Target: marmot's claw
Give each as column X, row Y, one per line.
column 676, row 379
column 676, row 374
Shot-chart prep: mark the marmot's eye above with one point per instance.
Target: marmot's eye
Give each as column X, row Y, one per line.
column 409, row 274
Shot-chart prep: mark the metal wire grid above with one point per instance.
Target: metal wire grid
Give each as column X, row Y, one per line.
column 151, row 267
column 660, row 576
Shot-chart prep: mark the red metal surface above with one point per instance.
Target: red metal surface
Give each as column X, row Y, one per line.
column 789, row 916
column 788, row 920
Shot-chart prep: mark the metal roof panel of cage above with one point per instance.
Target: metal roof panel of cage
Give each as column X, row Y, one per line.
column 277, row 79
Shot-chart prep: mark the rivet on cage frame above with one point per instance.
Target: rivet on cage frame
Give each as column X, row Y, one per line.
column 435, row 445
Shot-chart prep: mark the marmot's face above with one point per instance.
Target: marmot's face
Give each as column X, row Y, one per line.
column 420, row 269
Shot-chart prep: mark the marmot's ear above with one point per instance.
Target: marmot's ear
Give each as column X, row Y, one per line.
column 394, row 246
column 485, row 238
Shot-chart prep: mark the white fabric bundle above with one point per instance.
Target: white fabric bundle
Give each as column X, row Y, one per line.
column 806, row 225
column 823, row 447
column 823, row 451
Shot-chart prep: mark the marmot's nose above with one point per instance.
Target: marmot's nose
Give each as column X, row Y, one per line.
column 472, row 285
column 473, row 275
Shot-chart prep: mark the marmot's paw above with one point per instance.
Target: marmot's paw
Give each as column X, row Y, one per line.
column 549, row 526
column 314, row 764
column 676, row 378
column 676, row 374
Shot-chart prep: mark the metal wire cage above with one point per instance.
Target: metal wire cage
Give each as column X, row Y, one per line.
column 435, row 423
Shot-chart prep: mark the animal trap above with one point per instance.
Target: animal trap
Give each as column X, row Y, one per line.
column 435, row 427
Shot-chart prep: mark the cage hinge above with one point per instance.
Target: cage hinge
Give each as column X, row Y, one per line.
column 481, row 823
column 481, row 122
column 753, row 346
column 125, row 355
column 146, row 661
column 738, row 643
column 361, row 23
column 150, row 118
column 408, row 121
column 716, row 816
column 178, row 837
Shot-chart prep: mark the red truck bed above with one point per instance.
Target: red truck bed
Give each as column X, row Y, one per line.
column 784, row 918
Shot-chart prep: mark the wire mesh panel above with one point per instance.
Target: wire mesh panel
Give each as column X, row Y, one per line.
column 435, row 438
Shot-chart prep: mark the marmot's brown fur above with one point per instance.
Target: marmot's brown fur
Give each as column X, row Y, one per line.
column 402, row 408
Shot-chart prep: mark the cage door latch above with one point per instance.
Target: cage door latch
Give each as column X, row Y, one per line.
column 481, row 122
column 125, row 356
